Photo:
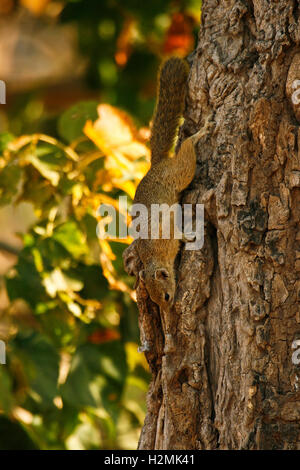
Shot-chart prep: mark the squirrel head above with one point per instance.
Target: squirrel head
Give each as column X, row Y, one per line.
column 160, row 285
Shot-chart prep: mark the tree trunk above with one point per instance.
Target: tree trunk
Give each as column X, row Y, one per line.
column 232, row 380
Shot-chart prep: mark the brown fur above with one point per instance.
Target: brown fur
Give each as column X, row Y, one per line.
column 166, row 179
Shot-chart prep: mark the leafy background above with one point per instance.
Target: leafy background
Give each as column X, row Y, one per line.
column 81, row 81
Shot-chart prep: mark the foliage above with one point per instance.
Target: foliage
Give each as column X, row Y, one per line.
column 123, row 43
column 67, row 363
column 73, row 377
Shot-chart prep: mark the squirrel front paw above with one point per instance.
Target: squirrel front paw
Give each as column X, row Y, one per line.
column 145, row 347
column 206, row 129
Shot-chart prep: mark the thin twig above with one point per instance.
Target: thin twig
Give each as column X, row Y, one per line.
column 9, row 249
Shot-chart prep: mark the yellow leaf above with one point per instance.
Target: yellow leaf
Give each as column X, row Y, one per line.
column 127, row 186
column 115, row 126
column 35, row 6
column 107, row 250
column 134, row 150
column 135, row 358
column 114, row 132
column 109, row 272
column 92, row 134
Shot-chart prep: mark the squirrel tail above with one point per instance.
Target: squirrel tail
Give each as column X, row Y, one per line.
column 173, row 75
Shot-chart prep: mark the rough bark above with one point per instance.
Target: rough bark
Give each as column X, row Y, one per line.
column 230, row 382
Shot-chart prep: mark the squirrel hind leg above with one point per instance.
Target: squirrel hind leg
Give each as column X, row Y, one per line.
column 131, row 260
column 205, row 130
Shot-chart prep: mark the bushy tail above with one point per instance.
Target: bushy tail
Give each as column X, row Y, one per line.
column 173, row 75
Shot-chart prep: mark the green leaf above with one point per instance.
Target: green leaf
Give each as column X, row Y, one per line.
column 71, row 123
column 45, row 169
column 9, row 179
column 13, row 436
column 39, row 192
column 95, row 284
column 6, row 398
column 97, row 376
column 25, row 281
column 71, row 238
column 57, row 323
column 40, row 363
column 48, row 160
column 53, row 253
column 5, row 138
column 76, row 391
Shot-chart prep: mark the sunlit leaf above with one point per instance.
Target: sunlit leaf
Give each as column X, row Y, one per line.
column 58, row 281
column 71, row 238
column 114, row 131
column 45, row 170
column 35, row 6
column 134, row 357
column 85, row 436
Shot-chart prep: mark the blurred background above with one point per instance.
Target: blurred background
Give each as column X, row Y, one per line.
column 80, row 81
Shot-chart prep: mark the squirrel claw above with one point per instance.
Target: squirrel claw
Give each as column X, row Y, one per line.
column 188, row 237
column 145, row 347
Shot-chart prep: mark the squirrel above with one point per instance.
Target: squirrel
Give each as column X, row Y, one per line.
column 167, row 177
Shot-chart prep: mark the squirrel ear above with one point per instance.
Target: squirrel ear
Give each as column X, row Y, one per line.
column 142, row 275
column 161, row 274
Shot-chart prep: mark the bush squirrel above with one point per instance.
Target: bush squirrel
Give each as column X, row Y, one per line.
column 167, row 177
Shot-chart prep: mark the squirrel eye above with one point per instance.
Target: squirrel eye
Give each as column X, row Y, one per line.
column 167, row 297
column 161, row 274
